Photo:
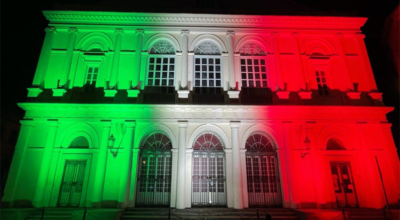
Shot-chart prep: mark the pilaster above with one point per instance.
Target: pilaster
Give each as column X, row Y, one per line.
column 138, row 56
column 180, row 195
column 119, row 32
column 231, row 65
column 73, row 32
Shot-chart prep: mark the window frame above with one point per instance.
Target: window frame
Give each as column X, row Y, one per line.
column 92, row 80
column 161, row 56
column 264, row 57
column 214, row 71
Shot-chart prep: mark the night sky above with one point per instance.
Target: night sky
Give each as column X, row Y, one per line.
column 23, row 26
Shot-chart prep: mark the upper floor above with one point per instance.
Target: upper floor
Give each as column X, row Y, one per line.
column 109, row 57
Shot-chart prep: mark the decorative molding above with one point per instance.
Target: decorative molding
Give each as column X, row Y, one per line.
column 376, row 95
column 183, row 94
column 34, row 92
column 353, row 95
column 110, row 92
column 305, row 94
column 133, row 93
column 59, row 92
column 233, row 94
column 213, row 114
column 204, row 20
column 283, row 94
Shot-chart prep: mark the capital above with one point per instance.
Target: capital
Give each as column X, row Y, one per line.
column 338, row 35
column 182, row 124
column 185, row 32
column 73, row 30
column 119, row 30
column 274, row 34
column 50, row 29
column 106, row 123
column 139, row 32
column 360, row 35
column 230, row 33
column 295, row 34
column 130, row 123
column 234, row 124
column 27, row 123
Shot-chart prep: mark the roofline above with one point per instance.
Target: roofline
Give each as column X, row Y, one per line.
column 215, row 20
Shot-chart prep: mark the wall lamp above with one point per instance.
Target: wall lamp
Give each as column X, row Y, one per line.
column 307, row 143
column 111, row 142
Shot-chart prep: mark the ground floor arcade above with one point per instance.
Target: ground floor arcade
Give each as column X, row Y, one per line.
column 180, row 161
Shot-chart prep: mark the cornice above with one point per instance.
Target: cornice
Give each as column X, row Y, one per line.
column 161, row 19
column 200, row 112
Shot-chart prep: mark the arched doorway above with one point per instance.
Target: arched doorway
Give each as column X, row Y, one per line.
column 72, row 185
column 208, row 180
column 154, row 178
column 263, row 184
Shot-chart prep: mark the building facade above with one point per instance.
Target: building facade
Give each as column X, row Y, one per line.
column 185, row 110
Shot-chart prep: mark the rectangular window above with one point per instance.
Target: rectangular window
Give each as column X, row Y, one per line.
column 321, row 82
column 92, row 73
column 253, row 72
column 207, row 71
column 161, row 71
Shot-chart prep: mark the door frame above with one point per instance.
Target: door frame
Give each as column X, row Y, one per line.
column 138, row 176
column 225, row 175
column 328, row 186
column 277, row 175
column 55, row 193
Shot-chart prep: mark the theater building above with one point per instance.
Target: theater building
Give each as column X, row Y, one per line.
column 189, row 110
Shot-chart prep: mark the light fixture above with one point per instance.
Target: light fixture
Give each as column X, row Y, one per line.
column 111, row 142
column 307, row 143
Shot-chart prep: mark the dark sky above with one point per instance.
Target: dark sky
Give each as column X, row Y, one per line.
column 23, row 24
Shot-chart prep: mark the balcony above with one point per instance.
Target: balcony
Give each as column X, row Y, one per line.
column 256, row 96
column 159, row 95
column 208, row 95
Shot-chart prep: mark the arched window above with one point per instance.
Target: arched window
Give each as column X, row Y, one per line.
column 259, row 142
column 79, row 142
column 335, row 144
column 161, row 65
column 253, row 66
column 156, row 141
column 207, row 65
column 208, row 141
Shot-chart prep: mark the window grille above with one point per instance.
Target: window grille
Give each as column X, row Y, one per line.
column 321, row 82
column 207, row 48
column 254, row 72
column 161, row 64
column 156, row 141
column 207, row 71
column 251, row 49
column 208, row 141
column 91, row 77
column 162, row 47
column 161, row 71
column 259, row 142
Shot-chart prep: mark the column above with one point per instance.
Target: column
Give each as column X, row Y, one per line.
column 18, row 158
column 237, row 179
column 228, row 177
column 243, row 174
column 101, row 164
column 117, row 51
column 343, row 62
column 294, row 190
column 44, row 58
column 295, row 37
column 230, row 46
column 278, row 69
column 185, row 45
column 362, row 52
column 138, row 57
column 135, row 169
column 126, row 163
column 68, row 57
column 188, row 177
column 180, row 191
column 45, row 166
